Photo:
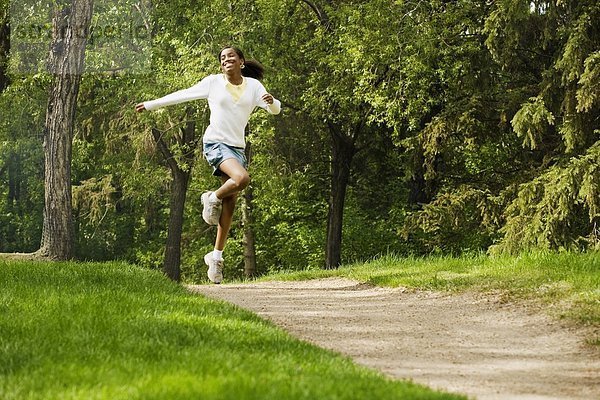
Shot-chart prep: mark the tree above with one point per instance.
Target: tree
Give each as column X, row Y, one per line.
column 326, row 77
column 4, row 44
column 249, row 239
column 408, row 126
column 70, row 27
column 180, row 159
column 446, row 106
column 554, row 47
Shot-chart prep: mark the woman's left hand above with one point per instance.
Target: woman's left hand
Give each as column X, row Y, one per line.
column 268, row 98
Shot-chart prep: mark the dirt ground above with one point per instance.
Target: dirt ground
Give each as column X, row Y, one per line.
column 474, row 344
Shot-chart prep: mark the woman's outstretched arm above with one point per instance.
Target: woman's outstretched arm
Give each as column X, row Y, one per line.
column 198, row 91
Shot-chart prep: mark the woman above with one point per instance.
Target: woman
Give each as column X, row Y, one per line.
column 232, row 96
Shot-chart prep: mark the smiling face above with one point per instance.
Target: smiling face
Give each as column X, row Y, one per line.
column 231, row 62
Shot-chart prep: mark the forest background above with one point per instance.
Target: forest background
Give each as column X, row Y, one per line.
column 408, row 127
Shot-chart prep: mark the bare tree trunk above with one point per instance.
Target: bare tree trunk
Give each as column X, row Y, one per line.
column 179, row 186
column 14, row 178
column 343, row 151
column 4, row 47
column 248, row 221
column 71, row 24
column 172, row 261
column 418, row 184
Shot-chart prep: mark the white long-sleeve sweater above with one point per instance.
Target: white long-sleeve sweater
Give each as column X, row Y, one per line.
column 228, row 117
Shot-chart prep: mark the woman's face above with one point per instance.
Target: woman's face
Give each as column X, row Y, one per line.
column 230, row 61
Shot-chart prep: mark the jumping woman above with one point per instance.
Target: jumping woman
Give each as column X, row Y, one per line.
column 232, row 96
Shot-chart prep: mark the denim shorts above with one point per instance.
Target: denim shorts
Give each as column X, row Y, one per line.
column 216, row 153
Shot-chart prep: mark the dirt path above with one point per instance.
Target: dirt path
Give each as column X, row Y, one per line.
column 470, row 344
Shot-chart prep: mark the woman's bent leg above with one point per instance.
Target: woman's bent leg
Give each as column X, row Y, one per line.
column 225, row 221
column 234, row 180
column 237, row 178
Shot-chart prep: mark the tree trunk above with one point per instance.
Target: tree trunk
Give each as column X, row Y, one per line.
column 179, row 186
column 14, row 179
column 421, row 189
column 67, row 52
column 418, row 185
column 172, row 262
column 248, row 221
column 4, row 47
column 343, row 151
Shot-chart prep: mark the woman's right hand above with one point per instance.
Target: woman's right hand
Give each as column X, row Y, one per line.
column 140, row 107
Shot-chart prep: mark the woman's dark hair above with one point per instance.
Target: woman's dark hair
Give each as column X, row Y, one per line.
column 252, row 68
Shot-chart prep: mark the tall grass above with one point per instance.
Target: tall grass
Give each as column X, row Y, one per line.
column 568, row 283
column 114, row 331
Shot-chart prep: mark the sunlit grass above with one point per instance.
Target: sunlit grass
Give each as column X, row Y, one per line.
column 115, row 331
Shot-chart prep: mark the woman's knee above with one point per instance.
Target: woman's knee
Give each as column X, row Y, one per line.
column 242, row 180
column 239, row 180
column 236, row 174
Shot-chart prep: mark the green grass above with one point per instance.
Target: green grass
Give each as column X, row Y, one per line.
column 567, row 284
column 114, row 331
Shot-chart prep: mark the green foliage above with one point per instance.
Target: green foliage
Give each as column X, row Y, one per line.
column 588, row 93
column 474, row 124
column 576, row 49
column 464, row 220
column 112, row 159
column 21, row 166
column 540, row 52
column 531, row 121
column 556, row 207
column 113, row 331
column 290, row 205
column 559, row 209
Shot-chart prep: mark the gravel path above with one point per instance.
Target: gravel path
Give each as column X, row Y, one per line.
column 468, row 343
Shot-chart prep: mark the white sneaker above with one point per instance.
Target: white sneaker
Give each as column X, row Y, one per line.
column 215, row 268
column 212, row 209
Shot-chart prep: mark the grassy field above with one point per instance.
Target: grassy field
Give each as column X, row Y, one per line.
column 567, row 284
column 115, row 331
